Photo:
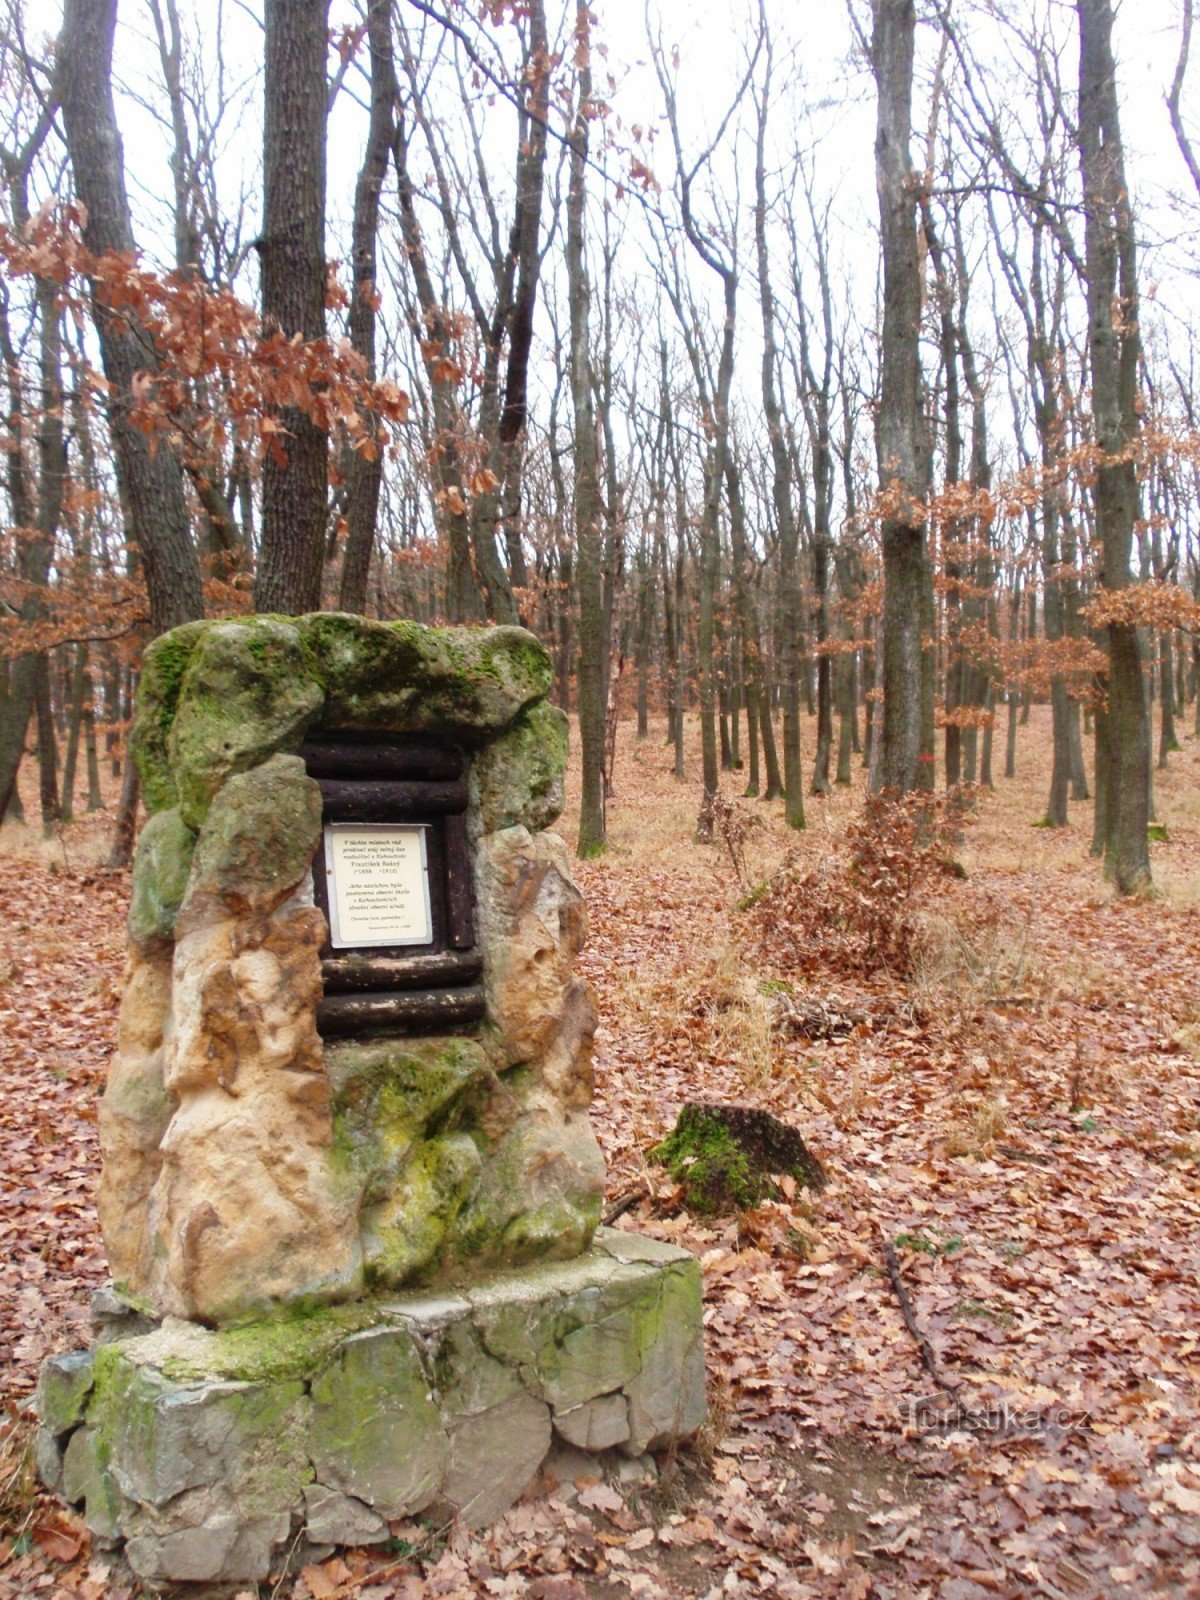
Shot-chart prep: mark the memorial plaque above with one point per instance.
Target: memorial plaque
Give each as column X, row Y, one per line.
column 378, row 876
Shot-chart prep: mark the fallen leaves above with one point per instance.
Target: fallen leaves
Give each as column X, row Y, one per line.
column 1032, row 1160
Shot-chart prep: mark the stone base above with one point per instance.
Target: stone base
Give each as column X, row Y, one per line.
column 210, row 1453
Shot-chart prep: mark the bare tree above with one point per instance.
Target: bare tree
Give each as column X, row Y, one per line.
column 150, row 481
column 904, row 756
column 1122, row 724
column 593, row 637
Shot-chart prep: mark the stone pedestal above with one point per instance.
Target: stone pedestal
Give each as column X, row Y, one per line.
column 208, row 1452
column 370, row 1258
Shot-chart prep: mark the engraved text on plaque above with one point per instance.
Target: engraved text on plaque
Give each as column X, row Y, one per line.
column 378, row 885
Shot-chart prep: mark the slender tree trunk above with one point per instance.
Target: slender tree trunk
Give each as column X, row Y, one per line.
column 365, row 468
column 1167, row 741
column 1114, row 349
column 781, row 460
column 74, row 730
column 47, row 749
column 900, row 442
column 150, row 481
column 592, row 640
column 295, row 481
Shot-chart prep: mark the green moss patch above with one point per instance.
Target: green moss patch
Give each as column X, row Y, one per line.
column 727, row 1158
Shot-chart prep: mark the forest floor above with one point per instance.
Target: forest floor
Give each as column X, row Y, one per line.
column 1019, row 1120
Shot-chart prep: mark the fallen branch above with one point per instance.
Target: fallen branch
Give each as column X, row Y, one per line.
column 925, row 1349
column 624, row 1203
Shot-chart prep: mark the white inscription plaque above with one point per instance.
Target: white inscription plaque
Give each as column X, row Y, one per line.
column 378, row 878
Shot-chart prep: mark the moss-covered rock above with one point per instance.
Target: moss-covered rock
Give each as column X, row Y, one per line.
column 250, row 688
column 404, row 1233
column 401, row 677
column 388, row 1095
column 64, row 1386
column 518, row 779
column 396, row 1104
column 377, row 1434
column 539, row 1195
column 726, row 1158
column 258, row 838
column 204, row 1450
column 160, row 874
column 164, row 662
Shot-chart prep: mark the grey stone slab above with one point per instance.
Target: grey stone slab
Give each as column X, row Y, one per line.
column 494, row 1457
column 333, row 1518
column 222, row 1549
column 376, row 1432
column 598, row 1424
column 207, row 1450
column 64, row 1384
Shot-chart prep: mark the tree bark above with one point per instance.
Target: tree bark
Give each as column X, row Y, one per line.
column 365, row 470
column 900, row 434
column 295, row 484
column 1114, row 349
column 592, row 637
column 150, row 482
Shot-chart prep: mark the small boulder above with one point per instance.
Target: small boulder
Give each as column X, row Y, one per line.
column 727, row 1158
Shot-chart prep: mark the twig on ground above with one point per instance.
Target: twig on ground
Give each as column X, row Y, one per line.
column 624, row 1203
column 924, row 1348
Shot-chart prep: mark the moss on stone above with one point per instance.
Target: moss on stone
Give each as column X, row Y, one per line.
column 391, row 1094
column 518, row 779
column 251, row 688
column 160, row 875
column 64, row 1386
column 710, row 1166
column 259, row 836
column 726, row 1158
column 290, row 1347
column 377, row 1433
column 403, row 1235
column 539, row 1194
column 164, row 663
column 402, row 677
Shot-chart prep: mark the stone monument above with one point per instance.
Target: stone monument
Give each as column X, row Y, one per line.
column 349, row 1194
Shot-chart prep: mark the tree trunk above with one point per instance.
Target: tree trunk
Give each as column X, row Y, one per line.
column 901, row 754
column 150, row 481
column 592, row 638
column 781, row 460
column 1114, row 349
column 365, row 471
column 47, row 749
column 295, row 480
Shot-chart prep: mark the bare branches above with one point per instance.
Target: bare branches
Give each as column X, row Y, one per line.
column 1175, row 92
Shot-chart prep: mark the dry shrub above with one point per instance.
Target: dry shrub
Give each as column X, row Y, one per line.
column 718, row 1003
column 18, row 1481
column 968, row 957
column 860, row 908
column 977, row 1136
column 736, row 1014
column 732, row 823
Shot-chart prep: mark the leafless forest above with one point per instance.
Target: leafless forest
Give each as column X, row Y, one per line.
column 822, row 391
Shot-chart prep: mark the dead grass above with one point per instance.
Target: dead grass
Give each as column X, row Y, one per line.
column 18, row 1479
column 967, row 958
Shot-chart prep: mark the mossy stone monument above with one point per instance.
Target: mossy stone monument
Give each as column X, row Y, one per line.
column 349, row 1194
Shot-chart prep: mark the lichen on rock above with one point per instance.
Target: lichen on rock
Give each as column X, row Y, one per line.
column 250, row 689
column 160, row 873
column 164, row 662
column 518, row 779
column 400, row 677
